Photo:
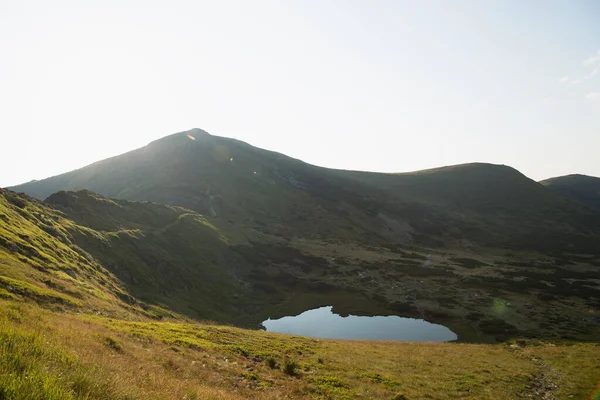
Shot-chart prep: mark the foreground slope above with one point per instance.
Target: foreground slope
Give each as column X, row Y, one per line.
column 583, row 188
column 60, row 356
column 245, row 189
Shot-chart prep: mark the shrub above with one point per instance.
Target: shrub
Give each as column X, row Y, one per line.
column 171, row 365
column 289, row 367
column 330, row 382
column 113, row 344
column 240, row 350
column 271, row 363
column 252, row 376
column 15, row 200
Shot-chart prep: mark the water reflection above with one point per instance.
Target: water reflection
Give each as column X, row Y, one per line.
column 323, row 323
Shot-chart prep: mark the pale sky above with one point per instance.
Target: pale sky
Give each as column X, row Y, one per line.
column 387, row 86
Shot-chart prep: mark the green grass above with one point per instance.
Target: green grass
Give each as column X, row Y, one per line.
column 51, row 355
column 161, row 258
column 24, row 289
column 33, row 368
column 163, row 262
column 92, row 307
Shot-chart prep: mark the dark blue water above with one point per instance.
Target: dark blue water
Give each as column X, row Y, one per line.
column 323, row 323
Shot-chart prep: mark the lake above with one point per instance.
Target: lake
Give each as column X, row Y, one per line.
column 323, row 323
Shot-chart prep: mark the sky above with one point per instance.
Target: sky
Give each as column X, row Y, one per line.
column 376, row 85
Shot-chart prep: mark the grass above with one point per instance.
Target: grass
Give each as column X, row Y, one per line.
column 33, row 368
column 271, row 362
column 95, row 311
column 74, row 356
column 118, row 256
column 290, row 367
column 24, row 289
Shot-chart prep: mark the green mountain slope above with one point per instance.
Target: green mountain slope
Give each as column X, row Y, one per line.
column 89, row 287
column 40, row 261
column 244, row 234
column 488, row 204
column 583, row 188
column 163, row 254
column 80, row 248
column 243, row 189
column 163, row 259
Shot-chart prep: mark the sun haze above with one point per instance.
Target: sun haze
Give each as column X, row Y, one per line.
column 379, row 85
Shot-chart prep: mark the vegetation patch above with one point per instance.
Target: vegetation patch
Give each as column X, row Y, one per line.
column 113, row 344
column 330, row 382
column 34, row 292
column 290, row 367
column 467, row 262
column 251, row 376
column 383, row 380
column 31, row 368
column 271, row 363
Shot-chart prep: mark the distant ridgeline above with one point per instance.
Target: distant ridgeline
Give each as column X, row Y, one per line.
column 249, row 188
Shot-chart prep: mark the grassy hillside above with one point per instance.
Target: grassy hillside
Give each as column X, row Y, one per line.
column 165, row 259
column 148, row 258
column 51, row 355
column 243, row 189
column 164, row 255
column 583, row 188
column 39, row 260
column 96, row 295
column 477, row 247
column 491, row 205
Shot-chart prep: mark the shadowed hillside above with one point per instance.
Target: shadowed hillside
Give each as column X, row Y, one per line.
column 244, row 234
column 163, row 254
column 583, row 188
column 243, row 190
column 142, row 256
column 101, row 323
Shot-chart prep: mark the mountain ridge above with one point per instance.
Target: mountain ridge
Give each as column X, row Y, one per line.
column 204, row 134
column 239, row 185
column 582, row 188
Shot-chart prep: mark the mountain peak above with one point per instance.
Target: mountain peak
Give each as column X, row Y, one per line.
column 570, row 178
column 184, row 136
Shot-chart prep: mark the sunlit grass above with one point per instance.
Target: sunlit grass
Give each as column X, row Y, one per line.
column 67, row 333
column 73, row 356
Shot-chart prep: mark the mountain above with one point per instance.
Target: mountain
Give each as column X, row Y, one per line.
column 243, row 189
column 213, row 228
column 101, row 298
column 583, row 188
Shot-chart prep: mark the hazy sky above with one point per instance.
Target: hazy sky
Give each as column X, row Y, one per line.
column 373, row 85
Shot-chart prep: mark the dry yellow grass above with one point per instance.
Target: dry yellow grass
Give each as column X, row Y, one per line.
column 175, row 360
